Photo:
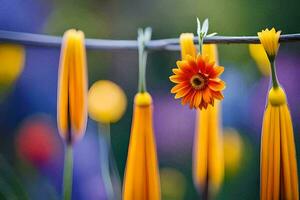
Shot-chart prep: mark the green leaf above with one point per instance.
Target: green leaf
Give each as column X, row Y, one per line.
column 211, row 34
column 198, row 26
column 205, row 27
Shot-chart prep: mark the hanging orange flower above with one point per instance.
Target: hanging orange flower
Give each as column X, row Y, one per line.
column 72, row 87
column 141, row 180
column 197, row 81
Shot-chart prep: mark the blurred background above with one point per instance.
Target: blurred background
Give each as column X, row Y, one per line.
column 31, row 151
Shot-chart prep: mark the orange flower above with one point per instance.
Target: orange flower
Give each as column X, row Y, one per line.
column 208, row 158
column 197, row 81
column 72, row 87
column 141, row 179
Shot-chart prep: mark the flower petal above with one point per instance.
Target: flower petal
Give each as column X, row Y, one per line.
column 182, row 92
column 177, row 78
column 201, row 64
column 216, row 84
column 179, row 86
column 207, row 95
column 217, row 71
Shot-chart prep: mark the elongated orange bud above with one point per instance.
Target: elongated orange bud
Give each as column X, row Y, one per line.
column 72, row 87
column 141, row 181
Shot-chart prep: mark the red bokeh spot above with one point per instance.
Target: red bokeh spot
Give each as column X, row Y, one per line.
column 36, row 142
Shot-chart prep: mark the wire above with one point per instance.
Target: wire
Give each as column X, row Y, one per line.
column 170, row 44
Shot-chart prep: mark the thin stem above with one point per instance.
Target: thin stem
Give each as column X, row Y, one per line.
column 273, row 71
column 200, row 43
column 68, row 173
column 141, row 49
column 143, row 38
column 104, row 151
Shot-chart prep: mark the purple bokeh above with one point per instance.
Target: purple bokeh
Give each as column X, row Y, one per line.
column 288, row 68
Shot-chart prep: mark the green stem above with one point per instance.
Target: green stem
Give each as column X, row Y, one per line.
column 104, row 151
column 143, row 38
column 68, row 173
column 273, row 72
column 200, row 43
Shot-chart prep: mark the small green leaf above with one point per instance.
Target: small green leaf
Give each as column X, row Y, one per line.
column 198, row 26
column 205, row 27
column 211, row 34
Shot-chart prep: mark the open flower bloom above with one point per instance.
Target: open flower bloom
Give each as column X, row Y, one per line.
column 141, row 180
column 197, row 79
column 278, row 170
column 208, row 159
column 269, row 39
column 259, row 55
column 72, row 87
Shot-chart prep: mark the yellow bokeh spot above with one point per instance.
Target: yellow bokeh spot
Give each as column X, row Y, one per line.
column 259, row 55
column 277, row 96
column 173, row 184
column 12, row 57
column 106, row 102
column 233, row 150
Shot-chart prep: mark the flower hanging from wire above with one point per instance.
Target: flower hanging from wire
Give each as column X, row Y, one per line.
column 141, row 179
column 197, row 78
column 208, row 158
column 72, row 87
column 278, row 170
column 71, row 99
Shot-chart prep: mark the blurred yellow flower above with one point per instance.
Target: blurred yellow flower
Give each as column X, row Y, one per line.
column 106, row 102
column 12, row 59
column 173, row 184
column 279, row 176
column 72, row 87
column 259, row 55
column 269, row 39
column 233, row 150
column 141, row 179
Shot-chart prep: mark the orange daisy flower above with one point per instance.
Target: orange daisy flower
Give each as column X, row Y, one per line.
column 197, row 81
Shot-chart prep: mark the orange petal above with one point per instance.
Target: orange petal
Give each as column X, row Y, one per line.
column 183, row 92
column 177, row 78
column 218, row 70
column 207, row 95
column 201, row 63
column 186, row 99
column 216, row 84
column 178, row 87
column 217, row 95
column 198, row 99
column 191, row 99
column 209, row 67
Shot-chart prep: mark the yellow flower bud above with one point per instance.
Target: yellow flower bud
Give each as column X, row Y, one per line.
column 270, row 41
column 72, row 87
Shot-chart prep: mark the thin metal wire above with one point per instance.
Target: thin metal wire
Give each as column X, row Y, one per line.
column 170, row 44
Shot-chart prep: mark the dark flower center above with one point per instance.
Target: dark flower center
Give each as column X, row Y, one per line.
column 198, row 81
